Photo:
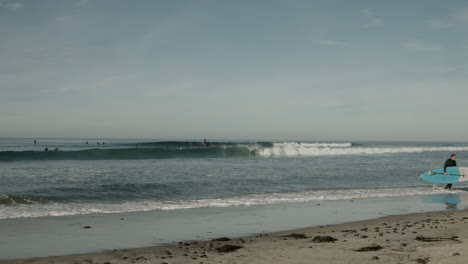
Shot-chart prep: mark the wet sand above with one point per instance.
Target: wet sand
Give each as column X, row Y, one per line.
column 436, row 237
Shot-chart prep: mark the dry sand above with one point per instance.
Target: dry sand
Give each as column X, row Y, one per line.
column 439, row 237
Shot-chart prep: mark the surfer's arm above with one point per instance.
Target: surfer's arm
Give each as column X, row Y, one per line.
column 446, row 164
column 445, row 167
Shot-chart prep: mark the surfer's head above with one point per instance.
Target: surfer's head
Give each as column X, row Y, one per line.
column 453, row 156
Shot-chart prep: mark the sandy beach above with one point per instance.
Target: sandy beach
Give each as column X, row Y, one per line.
column 436, row 237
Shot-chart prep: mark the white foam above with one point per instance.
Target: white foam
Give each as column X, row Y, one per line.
column 311, row 149
column 62, row 209
column 318, row 145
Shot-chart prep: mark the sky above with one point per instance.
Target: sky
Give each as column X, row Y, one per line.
column 244, row 69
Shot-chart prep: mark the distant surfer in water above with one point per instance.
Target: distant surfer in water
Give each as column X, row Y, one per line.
column 450, row 163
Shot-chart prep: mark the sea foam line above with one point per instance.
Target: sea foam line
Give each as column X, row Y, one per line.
column 63, row 209
column 295, row 149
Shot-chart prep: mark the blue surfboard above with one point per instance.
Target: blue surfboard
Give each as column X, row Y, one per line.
column 454, row 175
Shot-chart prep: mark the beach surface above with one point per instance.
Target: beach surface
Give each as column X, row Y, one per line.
column 433, row 237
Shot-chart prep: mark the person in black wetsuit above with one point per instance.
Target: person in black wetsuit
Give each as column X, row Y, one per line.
column 450, row 163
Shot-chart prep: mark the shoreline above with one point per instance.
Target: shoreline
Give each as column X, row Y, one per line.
column 66, row 235
column 428, row 237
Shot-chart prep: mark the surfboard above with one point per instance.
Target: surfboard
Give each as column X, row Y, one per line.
column 454, row 175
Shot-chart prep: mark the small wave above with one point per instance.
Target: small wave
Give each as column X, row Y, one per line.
column 62, row 209
column 21, row 199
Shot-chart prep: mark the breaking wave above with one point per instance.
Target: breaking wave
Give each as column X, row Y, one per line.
column 178, row 149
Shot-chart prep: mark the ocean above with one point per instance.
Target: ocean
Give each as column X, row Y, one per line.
column 186, row 179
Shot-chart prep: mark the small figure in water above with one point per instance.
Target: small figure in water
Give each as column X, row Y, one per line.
column 205, row 143
column 450, row 163
column 46, row 149
column 56, row 149
column 86, row 142
column 98, row 143
column 35, row 142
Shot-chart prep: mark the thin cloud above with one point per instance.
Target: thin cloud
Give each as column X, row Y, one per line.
column 82, row 3
column 326, row 42
column 438, row 70
column 419, row 46
column 15, row 6
column 462, row 15
column 457, row 21
column 373, row 21
column 439, row 24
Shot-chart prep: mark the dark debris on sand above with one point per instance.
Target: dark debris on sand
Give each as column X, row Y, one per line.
column 221, row 239
column 435, row 239
column 228, row 248
column 323, row 239
column 422, row 260
column 370, row 248
column 296, row 236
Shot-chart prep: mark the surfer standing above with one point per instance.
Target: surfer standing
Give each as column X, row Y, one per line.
column 450, row 163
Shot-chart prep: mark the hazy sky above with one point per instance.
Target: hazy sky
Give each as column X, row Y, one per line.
column 234, row 69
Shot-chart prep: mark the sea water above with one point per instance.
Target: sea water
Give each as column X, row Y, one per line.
column 162, row 185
